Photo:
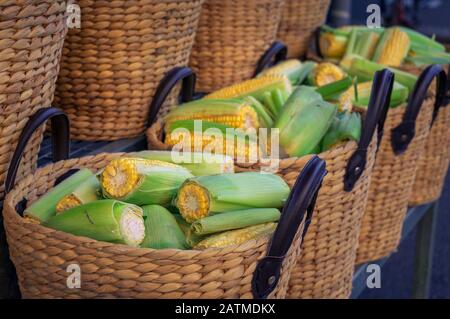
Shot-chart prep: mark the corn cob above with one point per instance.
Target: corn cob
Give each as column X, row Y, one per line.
column 293, row 69
column 161, row 229
column 142, row 182
column 192, row 239
column 194, row 162
column 332, row 45
column 326, row 73
column 346, row 126
column 361, row 95
column 232, row 112
column 45, row 207
column 86, row 192
column 392, row 47
column 236, row 237
column 366, row 44
column 234, row 220
column 214, row 138
column 308, row 121
column 106, row 220
column 200, row 196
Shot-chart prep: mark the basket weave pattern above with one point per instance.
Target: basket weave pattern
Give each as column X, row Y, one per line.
column 31, row 39
column 392, row 181
column 299, row 20
column 231, row 37
column 111, row 66
column 433, row 165
column 325, row 266
column 42, row 255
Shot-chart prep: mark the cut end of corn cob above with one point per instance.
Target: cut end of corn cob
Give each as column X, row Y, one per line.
column 236, row 237
column 67, row 202
column 193, row 201
column 132, row 226
column 392, row 48
column 331, row 45
column 326, row 73
column 345, row 102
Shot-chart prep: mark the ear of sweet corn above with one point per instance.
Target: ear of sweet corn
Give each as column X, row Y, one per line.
column 326, row 73
column 392, row 48
column 213, row 138
column 332, row 45
column 232, row 112
column 366, row 44
column 192, row 239
column 291, row 68
column 221, row 163
column 86, row 192
column 310, row 117
column 142, row 182
column 422, row 42
column 346, row 126
column 45, row 207
column 236, row 237
column 106, row 220
column 199, row 197
column 234, row 220
column 161, row 229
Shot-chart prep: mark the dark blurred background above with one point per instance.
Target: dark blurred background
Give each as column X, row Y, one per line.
column 431, row 17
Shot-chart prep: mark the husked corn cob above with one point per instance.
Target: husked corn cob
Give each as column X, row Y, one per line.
column 326, row 73
column 232, row 112
column 291, row 68
column 332, row 45
column 392, row 48
column 236, row 237
column 200, row 196
column 142, row 182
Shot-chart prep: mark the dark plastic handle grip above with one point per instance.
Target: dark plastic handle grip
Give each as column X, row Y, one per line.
column 166, row 85
column 380, row 98
column 314, row 43
column 403, row 134
column 301, row 201
column 276, row 53
column 60, row 140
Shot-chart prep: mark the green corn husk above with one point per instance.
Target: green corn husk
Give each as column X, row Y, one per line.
column 366, row 44
column 192, row 239
column 422, row 42
column 307, row 125
column 200, row 196
column 365, row 71
column 237, row 236
column 88, row 191
column 161, row 229
column 424, row 58
column 105, row 220
column 221, row 164
column 399, row 94
column 265, row 114
column 142, row 182
column 346, row 126
column 45, row 207
column 330, row 90
column 307, row 68
column 234, row 220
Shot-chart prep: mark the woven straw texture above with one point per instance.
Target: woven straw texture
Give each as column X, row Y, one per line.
column 325, row 266
column 42, row 255
column 231, row 37
column 111, row 66
column 31, row 39
column 433, row 164
column 299, row 20
column 391, row 185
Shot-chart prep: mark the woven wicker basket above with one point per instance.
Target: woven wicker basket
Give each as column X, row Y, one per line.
column 31, row 40
column 405, row 135
column 433, row 164
column 42, row 255
column 231, row 37
column 299, row 20
column 111, row 66
column 326, row 264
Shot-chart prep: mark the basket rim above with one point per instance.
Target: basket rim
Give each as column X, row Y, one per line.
column 10, row 213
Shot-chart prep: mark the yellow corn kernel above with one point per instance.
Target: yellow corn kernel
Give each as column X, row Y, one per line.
column 394, row 48
column 332, row 46
column 67, row 202
column 326, row 73
column 236, row 237
column 193, row 200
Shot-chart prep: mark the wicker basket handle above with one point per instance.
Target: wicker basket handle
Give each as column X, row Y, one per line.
column 60, row 140
column 301, row 201
column 376, row 115
column 166, row 85
column 276, row 53
column 403, row 134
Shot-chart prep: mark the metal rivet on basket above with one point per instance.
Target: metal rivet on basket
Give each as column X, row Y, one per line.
column 271, row 280
column 404, row 138
column 357, row 169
